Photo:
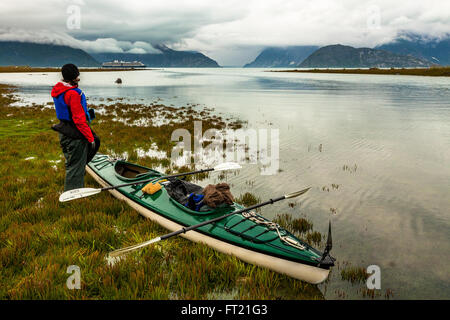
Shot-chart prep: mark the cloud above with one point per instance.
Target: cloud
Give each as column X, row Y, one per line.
column 231, row 32
column 61, row 38
column 356, row 23
column 137, row 51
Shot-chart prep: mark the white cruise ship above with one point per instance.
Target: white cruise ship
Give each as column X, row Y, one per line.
column 123, row 64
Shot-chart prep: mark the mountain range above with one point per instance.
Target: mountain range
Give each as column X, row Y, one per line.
column 284, row 57
column 434, row 50
column 167, row 58
column 50, row 55
column 13, row 53
column 405, row 51
column 339, row 56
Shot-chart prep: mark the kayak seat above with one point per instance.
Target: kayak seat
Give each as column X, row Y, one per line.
column 127, row 171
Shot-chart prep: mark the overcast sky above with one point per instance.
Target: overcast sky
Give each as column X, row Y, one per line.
column 231, row 32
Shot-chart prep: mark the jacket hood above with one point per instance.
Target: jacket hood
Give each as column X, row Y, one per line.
column 61, row 87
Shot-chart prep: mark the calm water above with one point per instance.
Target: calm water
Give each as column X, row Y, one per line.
column 385, row 140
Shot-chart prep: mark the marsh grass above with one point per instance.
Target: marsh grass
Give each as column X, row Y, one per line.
column 40, row 237
column 354, row 274
column 435, row 71
column 300, row 227
column 247, row 199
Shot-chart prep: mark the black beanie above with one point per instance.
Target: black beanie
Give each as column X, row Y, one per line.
column 70, row 72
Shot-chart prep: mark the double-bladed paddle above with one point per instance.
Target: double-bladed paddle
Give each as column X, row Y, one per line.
column 86, row 192
column 119, row 252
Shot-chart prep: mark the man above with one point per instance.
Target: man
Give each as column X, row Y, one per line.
column 78, row 141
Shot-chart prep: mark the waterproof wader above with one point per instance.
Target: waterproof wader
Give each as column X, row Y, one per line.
column 76, row 154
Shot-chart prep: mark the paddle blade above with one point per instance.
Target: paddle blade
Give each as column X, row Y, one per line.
column 296, row 194
column 78, row 193
column 227, row 166
column 120, row 252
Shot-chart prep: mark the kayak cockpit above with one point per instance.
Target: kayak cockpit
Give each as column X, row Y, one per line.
column 129, row 172
column 179, row 191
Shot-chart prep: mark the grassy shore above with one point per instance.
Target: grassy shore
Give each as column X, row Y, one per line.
column 40, row 237
column 26, row 69
column 431, row 72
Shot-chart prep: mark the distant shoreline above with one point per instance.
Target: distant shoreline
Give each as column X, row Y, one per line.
column 24, row 69
column 432, row 72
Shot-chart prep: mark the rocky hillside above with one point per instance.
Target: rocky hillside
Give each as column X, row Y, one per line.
column 13, row 53
column 339, row 56
column 277, row 57
column 434, row 50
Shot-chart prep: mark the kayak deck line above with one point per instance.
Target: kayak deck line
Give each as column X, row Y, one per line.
column 297, row 269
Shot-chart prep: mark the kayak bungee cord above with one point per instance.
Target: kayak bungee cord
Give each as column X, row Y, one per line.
column 270, row 225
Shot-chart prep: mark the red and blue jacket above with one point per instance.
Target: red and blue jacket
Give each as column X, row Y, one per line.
column 70, row 105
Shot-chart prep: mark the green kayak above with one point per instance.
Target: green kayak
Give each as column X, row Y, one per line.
column 248, row 236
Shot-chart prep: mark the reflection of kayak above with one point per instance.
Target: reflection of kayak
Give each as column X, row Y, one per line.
column 248, row 236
